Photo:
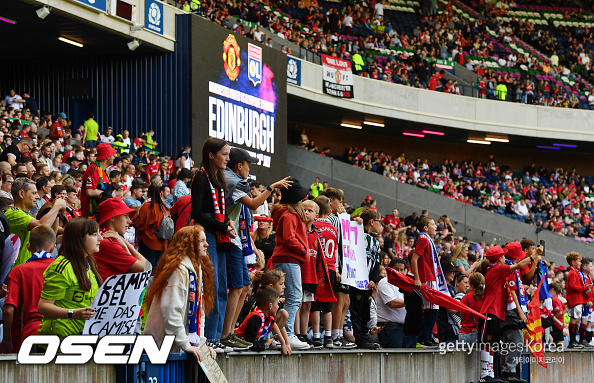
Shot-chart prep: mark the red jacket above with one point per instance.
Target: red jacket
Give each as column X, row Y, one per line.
column 576, row 290
column 291, row 238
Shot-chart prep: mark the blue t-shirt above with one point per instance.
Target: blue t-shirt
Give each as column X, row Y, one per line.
column 131, row 202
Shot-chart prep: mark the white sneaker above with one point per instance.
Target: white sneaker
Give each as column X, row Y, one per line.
column 591, row 343
column 296, row 344
column 274, row 345
column 215, row 347
column 220, row 346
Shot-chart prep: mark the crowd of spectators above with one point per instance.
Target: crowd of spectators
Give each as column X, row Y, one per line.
column 402, row 47
column 558, row 200
column 79, row 214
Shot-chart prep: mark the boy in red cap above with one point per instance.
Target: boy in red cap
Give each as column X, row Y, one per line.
column 95, row 180
column 496, row 273
column 116, row 255
column 515, row 313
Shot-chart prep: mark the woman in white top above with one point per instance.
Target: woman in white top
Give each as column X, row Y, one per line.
column 180, row 296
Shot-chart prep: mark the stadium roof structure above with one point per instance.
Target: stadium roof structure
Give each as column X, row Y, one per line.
column 33, row 37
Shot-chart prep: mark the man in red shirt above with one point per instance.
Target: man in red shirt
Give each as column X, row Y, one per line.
column 25, row 282
column 95, row 180
column 392, row 220
column 57, row 129
column 116, row 256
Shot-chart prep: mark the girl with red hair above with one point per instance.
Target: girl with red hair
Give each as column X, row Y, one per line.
column 181, row 293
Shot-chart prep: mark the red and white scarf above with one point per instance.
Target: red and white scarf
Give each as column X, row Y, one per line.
column 219, row 208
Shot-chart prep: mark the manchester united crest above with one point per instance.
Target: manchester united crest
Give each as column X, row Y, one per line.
column 231, row 57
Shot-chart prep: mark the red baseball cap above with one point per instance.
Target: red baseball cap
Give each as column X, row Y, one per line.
column 514, row 251
column 112, row 207
column 368, row 198
column 104, row 150
column 495, row 253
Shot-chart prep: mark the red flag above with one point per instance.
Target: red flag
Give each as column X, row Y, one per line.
column 406, row 283
column 533, row 331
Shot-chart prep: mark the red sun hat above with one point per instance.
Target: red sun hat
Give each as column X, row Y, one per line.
column 112, row 207
column 495, row 253
column 514, row 251
column 104, row 150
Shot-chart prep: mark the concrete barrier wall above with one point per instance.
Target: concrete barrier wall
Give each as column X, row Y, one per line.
column 423, row 106
column 382, row 366
column 473, row 222
column 10, row 371
column 352, row 366
column 568, row 366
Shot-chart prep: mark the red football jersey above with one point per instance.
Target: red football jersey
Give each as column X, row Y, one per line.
column 330, row 236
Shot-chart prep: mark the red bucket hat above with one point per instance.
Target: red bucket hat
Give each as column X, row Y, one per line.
column 495, row 253
column 514, row 251
column 112, row 207
column 104, row 150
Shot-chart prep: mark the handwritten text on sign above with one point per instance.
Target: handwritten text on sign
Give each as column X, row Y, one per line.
column 118, row 304
column 354, row 270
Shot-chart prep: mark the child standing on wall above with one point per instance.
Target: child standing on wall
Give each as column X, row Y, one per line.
column 329, row 234
column 291, row 251
column 584, row 331
column 423, row 264
column 341, row 291
column 361, row 299
column 576, row 295
column 496, row 273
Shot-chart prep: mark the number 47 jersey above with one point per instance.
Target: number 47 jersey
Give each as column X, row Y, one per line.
column 330, row 239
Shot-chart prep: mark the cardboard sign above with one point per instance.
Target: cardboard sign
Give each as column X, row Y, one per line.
column 118, row 304
column 210, row 366
column 354, row 269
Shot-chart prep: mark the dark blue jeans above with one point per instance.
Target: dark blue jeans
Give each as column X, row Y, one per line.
column 429, row 318
column 214, row 321
column 392, row 336
column 153, row 256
